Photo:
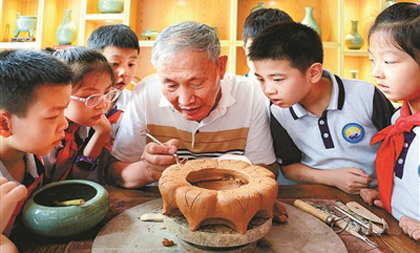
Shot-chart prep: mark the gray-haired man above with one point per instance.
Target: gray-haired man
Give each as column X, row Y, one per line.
column 191, row 106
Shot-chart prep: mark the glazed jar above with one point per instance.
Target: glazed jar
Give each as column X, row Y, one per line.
column 110, row 6
column 66, row 32
column 310, row 21
column 25, row 24
column 353, row 40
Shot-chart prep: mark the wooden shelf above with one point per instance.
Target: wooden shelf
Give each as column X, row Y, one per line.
column 227, row 16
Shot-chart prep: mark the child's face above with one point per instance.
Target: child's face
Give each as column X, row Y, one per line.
column 283, row 84
column 396, row 73
column 123, row 62
column 94, row 82
column 43, row 126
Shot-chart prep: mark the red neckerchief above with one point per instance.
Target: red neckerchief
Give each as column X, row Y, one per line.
column 37, row 182
column 114, row 115
column 69, row 150
column 390, row 150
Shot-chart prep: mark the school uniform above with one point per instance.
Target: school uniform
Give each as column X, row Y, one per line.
column 399, row 176
column 340, row 137
column 117, row 111
column 34, row 177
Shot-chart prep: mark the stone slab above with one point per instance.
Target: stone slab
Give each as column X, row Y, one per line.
column 127, row 233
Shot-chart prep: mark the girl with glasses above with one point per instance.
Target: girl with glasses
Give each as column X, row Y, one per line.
column 89, row 130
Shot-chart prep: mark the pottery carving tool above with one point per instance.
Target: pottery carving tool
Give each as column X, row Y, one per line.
column 360, row 210
column 365, row 223
column 145, row 132
column 332, row 219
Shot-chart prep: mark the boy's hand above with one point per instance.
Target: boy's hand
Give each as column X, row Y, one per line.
column 351, row 180
column 371, row 196
column 157, row 157
column 10, row 194
column 411, row 227
column 103, row 126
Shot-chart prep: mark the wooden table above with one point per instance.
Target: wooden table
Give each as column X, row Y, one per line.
column 121, row 199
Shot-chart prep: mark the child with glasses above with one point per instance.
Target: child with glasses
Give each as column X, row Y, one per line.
column 35, row 90
column 120, row 46
column 394, row 50
column 89, row 130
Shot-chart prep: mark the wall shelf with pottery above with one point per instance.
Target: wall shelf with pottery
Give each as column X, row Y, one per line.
column 332, row 16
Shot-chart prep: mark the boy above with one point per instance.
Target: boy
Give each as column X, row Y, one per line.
column 257, row 21
column 321, row 124
column 120, row 46
column 35, row 90
column 254, row 24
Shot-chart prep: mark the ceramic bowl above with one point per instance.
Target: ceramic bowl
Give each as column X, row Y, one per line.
column 149, row 34
column 111, row 6
column 43, row 215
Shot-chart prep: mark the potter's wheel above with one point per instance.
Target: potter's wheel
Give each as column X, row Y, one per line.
column 127, row 233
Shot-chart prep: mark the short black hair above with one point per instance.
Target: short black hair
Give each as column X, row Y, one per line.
column 82, row 61
column 297, row 43
column 117, row 35
column 22, row 71
column 402, row 22
column 258, row 20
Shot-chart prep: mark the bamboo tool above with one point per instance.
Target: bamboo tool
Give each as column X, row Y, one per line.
column 365, row 223
column 332, row 219
column 360, row 210
column 145, row 132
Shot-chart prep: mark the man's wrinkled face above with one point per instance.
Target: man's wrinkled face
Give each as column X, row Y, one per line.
column 191, row 83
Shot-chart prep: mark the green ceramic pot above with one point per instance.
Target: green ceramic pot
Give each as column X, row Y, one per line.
column 309, row 20
column 111, row 6
column 25, row 24
column 149, row 34
column 42, row 215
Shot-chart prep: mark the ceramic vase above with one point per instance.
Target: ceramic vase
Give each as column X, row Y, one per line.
column 353, row 40
column 389, row 3
column 260, row 6
column 66, row 32
column 111, row 6
column 354, row 73
column 310, row 21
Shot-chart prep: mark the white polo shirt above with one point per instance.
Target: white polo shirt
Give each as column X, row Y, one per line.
column 238, row 125
column 405, row 200
column 340, row 137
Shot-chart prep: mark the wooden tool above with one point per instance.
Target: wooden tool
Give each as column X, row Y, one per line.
column 330, row 218
column 360, row 210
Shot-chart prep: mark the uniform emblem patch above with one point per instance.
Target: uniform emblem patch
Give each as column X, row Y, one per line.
column 353, row 132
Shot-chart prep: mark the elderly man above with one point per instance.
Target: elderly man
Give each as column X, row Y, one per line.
column 191, row 106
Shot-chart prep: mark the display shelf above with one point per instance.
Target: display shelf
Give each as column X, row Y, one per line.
column 228, row 16
column 9, row 10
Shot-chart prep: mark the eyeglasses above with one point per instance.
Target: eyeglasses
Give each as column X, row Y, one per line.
column 95, row 99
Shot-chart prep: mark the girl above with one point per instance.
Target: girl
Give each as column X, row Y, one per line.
column 394, row 49
column 92, row 92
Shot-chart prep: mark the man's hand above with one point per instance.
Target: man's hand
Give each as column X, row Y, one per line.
column 10, row 194
column 350, row 180
column 411, row 227
column 157, row 158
